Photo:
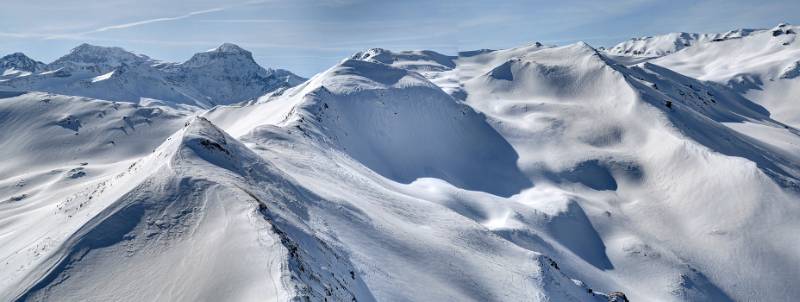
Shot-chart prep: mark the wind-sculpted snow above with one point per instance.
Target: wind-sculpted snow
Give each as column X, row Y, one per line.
column 639, row 137
column 402, row 126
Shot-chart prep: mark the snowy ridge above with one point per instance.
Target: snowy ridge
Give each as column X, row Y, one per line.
column 761, row 67
column 174, row 203
column 656, row 46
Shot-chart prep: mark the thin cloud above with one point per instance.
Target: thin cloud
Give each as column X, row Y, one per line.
column 156, row 20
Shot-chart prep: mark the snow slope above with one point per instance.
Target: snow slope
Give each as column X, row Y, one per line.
column 533, row 173
column 189, row 209
column 603, row 132
column 656, row 46
column 224, row 75
column 763, row 67
column 404, row 246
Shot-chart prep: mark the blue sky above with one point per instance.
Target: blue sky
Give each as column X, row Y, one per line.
column 309, row 36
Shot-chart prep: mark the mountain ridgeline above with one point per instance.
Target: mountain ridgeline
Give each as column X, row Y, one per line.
column 224, row 75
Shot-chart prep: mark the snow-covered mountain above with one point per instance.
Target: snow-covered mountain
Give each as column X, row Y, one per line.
column 656, row 46
column 764, row 67
column 544, row 173
column 229, row 72
column 224, row 75
column 18, row 64
column 636, row 141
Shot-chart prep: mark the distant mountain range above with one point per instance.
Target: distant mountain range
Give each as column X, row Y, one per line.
column 224, row 75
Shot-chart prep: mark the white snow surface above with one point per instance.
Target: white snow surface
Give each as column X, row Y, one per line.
column 765, row 67
column 536, row 173
column 656, row 46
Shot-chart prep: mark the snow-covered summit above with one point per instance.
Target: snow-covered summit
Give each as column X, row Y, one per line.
column 226, row 52
column 229, row 48
column 97, row 58
column 229, row 71
column 18, row 62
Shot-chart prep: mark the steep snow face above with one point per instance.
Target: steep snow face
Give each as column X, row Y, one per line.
column 224, row 75
column 656, row 46
column 404, row 127
column 394, row 121
column 761, row 66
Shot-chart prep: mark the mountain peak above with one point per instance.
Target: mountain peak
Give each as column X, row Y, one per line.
column 229, row 53
column 84, row 47
column 100, row 58
column 230, row 48
column 15, row 55
column 96, row 50
column 20, row 61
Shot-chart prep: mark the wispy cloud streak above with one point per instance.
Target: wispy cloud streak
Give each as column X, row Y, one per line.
column 156, row 20
column 84, row 34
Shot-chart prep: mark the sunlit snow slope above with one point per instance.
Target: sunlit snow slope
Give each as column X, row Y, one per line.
column 764, row 67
